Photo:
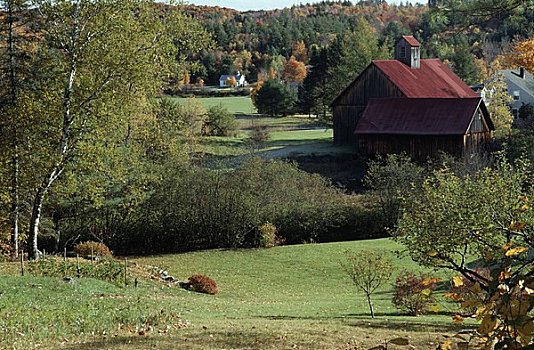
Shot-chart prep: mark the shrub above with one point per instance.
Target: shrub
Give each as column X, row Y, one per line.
column 6, row 251
column 259, row 134
column 268, row 236
column 203, row 284
column 391, row 178
column 220, row 122
column 413, row 293
column 199, row 208
column 92, row 248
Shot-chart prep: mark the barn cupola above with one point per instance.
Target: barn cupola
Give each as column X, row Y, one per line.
column 408, row 51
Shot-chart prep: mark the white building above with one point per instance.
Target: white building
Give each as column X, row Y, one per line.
column 239, row 78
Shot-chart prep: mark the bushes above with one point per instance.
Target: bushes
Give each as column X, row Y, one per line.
column 6, row 251
column 413, row 293
column 220, row 122
column 91, row 248
column 201, row 208
column 203, row 284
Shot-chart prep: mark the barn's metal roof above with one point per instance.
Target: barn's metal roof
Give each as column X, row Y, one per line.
column 419, row 116
column 411, row 40
column 433, row 79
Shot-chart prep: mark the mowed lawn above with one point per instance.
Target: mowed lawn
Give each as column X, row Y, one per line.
column 235, row 104
column 290, row 135
column 279, row 298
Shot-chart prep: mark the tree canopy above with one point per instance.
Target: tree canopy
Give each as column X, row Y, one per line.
column 456, row 219
column 94, row 69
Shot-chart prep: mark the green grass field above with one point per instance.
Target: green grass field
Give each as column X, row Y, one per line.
column 288, row 136
column 235, row 104
column 279, row 298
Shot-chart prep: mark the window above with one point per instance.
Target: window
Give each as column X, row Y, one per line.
column 515, row 112
column 402, row 52
column 516, row 95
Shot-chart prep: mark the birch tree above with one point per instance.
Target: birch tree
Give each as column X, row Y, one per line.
column 99, row 63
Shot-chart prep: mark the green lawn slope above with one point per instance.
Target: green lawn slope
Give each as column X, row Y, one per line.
column 283, row 297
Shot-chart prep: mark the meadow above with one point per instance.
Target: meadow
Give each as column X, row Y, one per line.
column 287, row 136
column 279, row 298
column 235, row 104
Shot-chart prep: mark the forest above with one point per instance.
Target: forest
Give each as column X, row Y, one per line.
column 321, row 47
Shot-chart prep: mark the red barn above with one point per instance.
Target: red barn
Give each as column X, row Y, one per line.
column 412, row 105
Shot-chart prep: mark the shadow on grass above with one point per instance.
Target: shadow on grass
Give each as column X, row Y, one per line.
column 207, row 339
column 385, row 320
column 134, row 342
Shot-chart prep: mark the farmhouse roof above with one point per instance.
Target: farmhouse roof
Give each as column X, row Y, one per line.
column 411, row 40
column 226, row 76
column 420, row 116
column 524, row 82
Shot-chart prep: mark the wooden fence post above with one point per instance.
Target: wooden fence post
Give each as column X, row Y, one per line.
column 22, row 262
column 125, row 270
column 78, row 264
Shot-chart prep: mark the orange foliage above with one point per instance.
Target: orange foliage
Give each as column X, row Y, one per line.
column 294, row 70
column 255, row 90
column 186, row 78
column 231, row 81
column 523, row 54
column 299, row 51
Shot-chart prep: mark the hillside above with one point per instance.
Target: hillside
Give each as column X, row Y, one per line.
column 255, row 42
column 284, row 297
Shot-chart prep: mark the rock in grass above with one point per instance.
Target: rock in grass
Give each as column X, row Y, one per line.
column 69, row 280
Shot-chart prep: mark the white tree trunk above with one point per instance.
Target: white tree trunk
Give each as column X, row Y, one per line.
column 64, row 145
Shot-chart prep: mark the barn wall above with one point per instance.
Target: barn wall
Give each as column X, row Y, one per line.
column 345, row 120
column 478, row 136
column 349, row 107
column 476, row 142
column 418, row 146
column 477, row 123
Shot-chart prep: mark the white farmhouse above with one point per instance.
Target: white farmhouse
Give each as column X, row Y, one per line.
column 239, row 78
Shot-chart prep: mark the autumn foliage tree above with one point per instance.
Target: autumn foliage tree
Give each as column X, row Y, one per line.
column 231, row 81
column 523, row 54
column 299, row 51
column 469, row 224
column 499, row 104
column 294, row 71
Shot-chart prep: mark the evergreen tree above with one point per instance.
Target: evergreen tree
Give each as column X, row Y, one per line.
column 275, row 98
column 463, row 61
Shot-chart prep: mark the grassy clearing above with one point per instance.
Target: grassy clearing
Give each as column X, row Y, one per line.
column 279, row 298
column 235, row 104
column 281, row 143
column 288, row 135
